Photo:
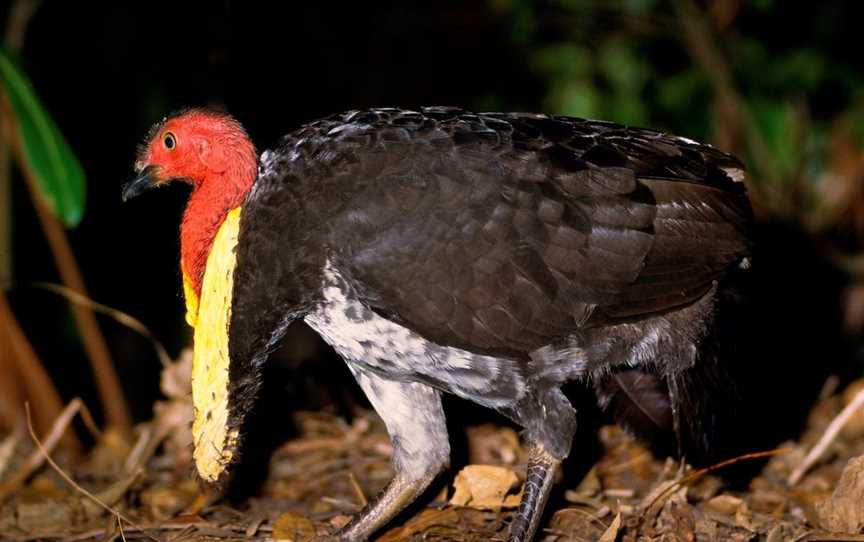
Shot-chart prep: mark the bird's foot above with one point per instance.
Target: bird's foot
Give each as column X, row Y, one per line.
column 398, row 494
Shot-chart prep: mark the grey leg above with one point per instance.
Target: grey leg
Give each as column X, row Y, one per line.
column 550, row 423
column 421, row 450
column 538, row 484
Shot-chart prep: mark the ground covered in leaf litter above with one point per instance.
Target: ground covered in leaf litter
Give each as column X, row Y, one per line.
column 142, row 490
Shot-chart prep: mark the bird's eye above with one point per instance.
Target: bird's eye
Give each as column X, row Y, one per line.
column 169, row 140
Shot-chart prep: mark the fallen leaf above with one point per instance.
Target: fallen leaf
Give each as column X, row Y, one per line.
column 490, row 444
column 611, row 533
column 420, row 523
column 166, row 502
column 290, row 527
column 854, row 427
column 590, row 484
column 45, row 517
column 339, row 521
column 843, row 511
column 176, row 378
column 485, row 487
column 726, row 504
column 663, row 493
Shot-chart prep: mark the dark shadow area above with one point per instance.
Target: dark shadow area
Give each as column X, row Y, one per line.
column 782, row 335
column 304, row 374
column 777, row 337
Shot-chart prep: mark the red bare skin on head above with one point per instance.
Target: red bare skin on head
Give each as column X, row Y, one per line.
column 212, row 152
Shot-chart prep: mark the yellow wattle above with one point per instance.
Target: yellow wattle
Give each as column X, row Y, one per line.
column 210, row 316
column 191, row 298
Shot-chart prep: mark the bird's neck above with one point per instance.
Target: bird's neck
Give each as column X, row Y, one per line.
column 209, row 204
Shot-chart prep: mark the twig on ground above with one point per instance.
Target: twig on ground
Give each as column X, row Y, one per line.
column 137, row 456
column 695, row 475
column 7, row 447
column 38, row 457
column 827, row 438
column 358, row 491
column 170, row 525
column 45, row 454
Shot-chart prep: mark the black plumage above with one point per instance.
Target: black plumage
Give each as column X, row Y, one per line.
column 514, row 251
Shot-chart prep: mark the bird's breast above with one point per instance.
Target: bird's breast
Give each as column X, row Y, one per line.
column 370, row 342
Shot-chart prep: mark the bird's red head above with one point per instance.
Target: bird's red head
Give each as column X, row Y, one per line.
column 211, row 151
column 195, row 146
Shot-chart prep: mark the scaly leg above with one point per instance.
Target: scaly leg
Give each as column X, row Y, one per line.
column 415, row 420
column 538, row 484
column 550, row 423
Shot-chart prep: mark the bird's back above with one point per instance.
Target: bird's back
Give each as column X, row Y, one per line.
column 502, row 233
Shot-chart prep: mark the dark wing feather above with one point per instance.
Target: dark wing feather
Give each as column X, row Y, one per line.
column 501, row 233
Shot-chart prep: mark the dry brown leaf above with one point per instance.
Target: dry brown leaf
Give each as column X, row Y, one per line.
column 337, row 522
column 590, row 484
column 663, row 493
column 166, row 502
column 47, row 516
column 490, row 444
column 843, row 512
column 423, row 521
column 176, row 378
column 107, row 459
column 854, row 427
column 611, row 533
column 485, row 487
column 174, row 416
column 726, row 504
column 290, row 527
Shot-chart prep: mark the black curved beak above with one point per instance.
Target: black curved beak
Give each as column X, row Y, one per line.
column 143, row 179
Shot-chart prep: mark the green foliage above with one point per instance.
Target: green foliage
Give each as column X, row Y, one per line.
column 776, row 122
column 789, row 74
column 56, row 170
column 606, row 81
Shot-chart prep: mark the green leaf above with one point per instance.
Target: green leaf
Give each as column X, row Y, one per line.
column 622, row 66
column 58, row 173
column 573, row 98
column 776, row 121
column 564, row 61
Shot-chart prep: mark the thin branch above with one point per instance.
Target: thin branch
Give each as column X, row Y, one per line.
column 827, row 438
column 10, row 387
column 695, row 475
column 121, row 317
column 20, row 14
